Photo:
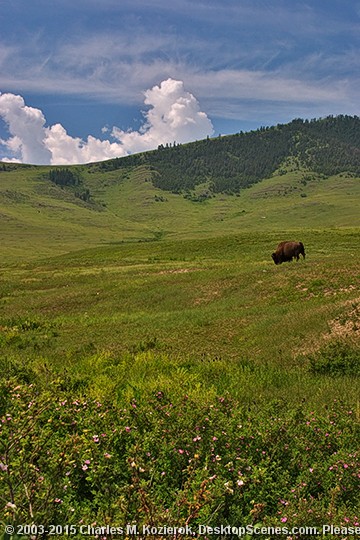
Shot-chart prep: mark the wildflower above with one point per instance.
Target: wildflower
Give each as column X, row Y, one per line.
column 84, row 467
column 214, row 438
column 3, row 467
column 95, row 438
column 181, row 451
column 240, row 483
column 59, row 501
column 311, row 470
column 107, row 456
column 284, row 519
column 227, row 485
column 128, row 429
column 10, row 505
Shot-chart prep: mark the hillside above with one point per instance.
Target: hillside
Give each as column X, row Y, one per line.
column 302, row 174
column 157, row 368
column 327, row 146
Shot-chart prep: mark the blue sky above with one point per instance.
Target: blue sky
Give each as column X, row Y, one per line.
column 84, row 80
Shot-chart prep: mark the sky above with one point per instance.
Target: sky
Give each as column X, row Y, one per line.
column 89, row 80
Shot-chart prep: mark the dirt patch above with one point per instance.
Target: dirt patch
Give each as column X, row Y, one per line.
column 329, row 292
column 176, row 271
column 208, row 296
column 346, row 325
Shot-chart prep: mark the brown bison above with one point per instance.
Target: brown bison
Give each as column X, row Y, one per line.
column 286, row 251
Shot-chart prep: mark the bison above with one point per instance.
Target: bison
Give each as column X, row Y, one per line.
column 286, row 251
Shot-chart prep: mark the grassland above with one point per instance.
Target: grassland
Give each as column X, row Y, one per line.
column 158, row 368
column 39, row 218
column 220, row 300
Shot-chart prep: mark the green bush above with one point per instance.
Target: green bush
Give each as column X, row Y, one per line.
column 337, row 358
column 165, row 457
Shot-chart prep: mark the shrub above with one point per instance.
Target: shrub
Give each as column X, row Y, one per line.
column 168, row 458
column 337, row 358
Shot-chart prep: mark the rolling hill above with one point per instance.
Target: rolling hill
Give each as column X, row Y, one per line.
column 156, row 367
column 302, row 174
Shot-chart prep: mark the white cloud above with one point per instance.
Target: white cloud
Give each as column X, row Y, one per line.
column 173, row 115
column 66, row 150
column 26, row 127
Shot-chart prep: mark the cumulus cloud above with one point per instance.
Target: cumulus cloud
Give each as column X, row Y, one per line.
column 27, row 129
column 173, row 115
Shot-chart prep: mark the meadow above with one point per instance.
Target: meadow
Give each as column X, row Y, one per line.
column 175, row 376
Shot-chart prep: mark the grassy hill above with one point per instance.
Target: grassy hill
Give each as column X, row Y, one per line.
column 156, row 367
column 139, row 197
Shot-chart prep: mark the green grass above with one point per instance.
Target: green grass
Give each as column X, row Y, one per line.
column 217, row 302
column 40, row 219
column 147, row 321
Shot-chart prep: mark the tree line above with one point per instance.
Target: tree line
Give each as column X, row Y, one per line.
column 65, row 177
column 230, row 163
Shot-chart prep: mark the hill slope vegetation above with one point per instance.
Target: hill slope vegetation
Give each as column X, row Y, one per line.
column 302, row 174
column 156, row 367
column 328, row 146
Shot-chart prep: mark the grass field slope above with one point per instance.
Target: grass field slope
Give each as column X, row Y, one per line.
column 311, row 180
column 156, row 368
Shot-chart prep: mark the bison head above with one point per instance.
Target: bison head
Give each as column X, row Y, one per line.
column 276, row 258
